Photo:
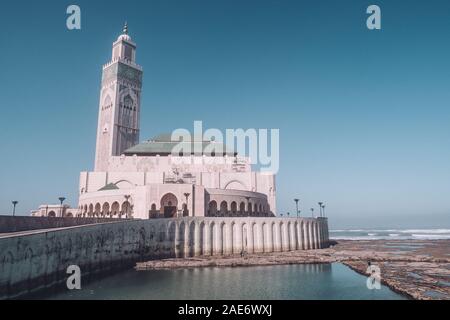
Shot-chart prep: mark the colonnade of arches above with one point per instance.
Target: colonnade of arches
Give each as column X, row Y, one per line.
column 113, row 209
column 237, row 209
column 225, row 237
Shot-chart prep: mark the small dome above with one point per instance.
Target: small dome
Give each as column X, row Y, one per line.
column 124, row 37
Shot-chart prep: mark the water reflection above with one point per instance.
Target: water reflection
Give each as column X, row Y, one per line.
column 310, row 281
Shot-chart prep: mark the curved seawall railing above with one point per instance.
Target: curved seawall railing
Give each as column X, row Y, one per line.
column 35, row 260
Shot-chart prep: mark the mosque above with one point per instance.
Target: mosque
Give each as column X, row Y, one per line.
column 148, row 181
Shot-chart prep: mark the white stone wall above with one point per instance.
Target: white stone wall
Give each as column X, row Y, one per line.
column 40, row 259
column 227, row 236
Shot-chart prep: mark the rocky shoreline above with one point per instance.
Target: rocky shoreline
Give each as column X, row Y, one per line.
column 419, row 269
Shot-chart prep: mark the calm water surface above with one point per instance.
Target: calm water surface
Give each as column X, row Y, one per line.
column 313, row 281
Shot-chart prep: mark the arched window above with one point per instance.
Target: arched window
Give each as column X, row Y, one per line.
column 107, row 103
column 127, row 108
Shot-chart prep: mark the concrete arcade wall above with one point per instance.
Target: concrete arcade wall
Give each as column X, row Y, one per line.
column 22, row 223
column 31, row 262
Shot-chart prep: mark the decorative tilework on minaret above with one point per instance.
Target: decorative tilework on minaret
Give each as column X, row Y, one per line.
column 120, row 102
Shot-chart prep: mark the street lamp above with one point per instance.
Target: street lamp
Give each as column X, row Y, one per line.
column 14, row 207
column 312, row 212
column 320, row 207
column 61, row 200
column 323, row 210
column 127, row 198
column 296, row 204
column 187, row 203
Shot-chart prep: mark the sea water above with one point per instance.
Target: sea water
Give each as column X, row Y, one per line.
column 287, row 282
column 390, row 234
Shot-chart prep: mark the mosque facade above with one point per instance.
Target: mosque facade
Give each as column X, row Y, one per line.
column 208, row 184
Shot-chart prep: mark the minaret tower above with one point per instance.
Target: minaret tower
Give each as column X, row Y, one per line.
column 120, row 102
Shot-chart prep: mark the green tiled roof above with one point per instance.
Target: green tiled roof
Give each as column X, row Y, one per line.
column 162, row 145
column 110, row 186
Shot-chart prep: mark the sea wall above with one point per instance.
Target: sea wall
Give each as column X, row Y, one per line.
column 23, row 223
column 31, row 262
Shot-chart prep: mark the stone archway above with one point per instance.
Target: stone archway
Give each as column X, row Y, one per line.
column 212, row 208
column 223, row 208
column 52, row 214
column 242, row 209
column 169, row 205
column 115, row 209
column 233, row 208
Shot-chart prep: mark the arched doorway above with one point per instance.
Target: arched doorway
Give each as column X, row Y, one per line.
column 223, row 208
column 242, row 209
column 105, row 209
column 52, row 214
column 212, row 209
column 98, row 209
column 126, row 210
column 233, row 208
column 115, row 209
column 169, row 204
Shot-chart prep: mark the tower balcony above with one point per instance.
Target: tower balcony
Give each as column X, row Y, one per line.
column 124, row 61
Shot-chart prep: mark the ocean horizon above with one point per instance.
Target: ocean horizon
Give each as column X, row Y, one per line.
column 390, row 234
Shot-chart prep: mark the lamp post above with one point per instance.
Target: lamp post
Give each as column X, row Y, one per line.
column 312, row 212
column 14, row 203
column 320, row 208
column 61, row 200
column 127, row 198
column 296, row 204
column 323, row 210
column 187, row 203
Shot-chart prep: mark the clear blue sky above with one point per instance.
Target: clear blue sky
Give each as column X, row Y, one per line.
column 364, row 116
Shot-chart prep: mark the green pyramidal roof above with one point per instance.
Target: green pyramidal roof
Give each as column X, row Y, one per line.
column 109, row 186
column 163, row 145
